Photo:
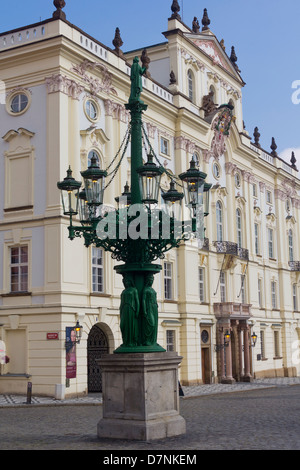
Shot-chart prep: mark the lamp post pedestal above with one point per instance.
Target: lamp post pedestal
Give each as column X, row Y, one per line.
column 140, row 396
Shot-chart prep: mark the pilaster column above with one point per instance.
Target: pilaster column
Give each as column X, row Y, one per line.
column 247, row 376
column 228, row 358
column 240, row 352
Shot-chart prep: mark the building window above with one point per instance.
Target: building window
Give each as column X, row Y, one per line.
column 254, row 190
column 256, row 238
column 269, row 197
column 92, row 154
column 262, row 344
column 168, row 281
column 18, row 102
column 223, row 286
column 270, row 243
column 19, row 269
column 216, row 170
column 239, row 228
column 170, row 340
column 243, row 289
column 291, row 246
column 219, row 216
column 259, row 289
column 295, row 302
column 92, row 110
column 237, row 180
column 190, row 85
column 97, row 270
column 276, row 343
column 201, row 285
column 164, row 146
column 273, row 294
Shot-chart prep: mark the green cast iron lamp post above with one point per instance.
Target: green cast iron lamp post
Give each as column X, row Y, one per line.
column 137, row 208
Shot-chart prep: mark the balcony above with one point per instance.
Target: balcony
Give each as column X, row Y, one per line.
column 232, row 310
column 231, row 248
column 294, row 265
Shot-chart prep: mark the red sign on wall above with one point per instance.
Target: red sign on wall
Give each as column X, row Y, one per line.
column 52, row 335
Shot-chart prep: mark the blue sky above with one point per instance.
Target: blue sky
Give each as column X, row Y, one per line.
column 265, row 33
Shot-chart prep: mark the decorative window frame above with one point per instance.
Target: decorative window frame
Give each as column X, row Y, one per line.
column 214, row 165
column 15, row 239
column 168, row 153
column 97, row 106
column 12, row 94
column 172, row 297
column 102, row 266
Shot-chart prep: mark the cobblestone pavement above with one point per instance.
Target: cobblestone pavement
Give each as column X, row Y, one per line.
column 262, row 415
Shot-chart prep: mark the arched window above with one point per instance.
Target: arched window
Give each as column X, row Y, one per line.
column 92, row 154
column 239, row 228
column 219, row 217
column 191, row 91
column 291, row 246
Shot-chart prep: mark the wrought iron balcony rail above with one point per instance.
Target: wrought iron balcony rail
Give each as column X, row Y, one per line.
column 294, row 265
column 231, row 248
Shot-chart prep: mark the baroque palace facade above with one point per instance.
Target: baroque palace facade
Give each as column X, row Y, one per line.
column 63, row 97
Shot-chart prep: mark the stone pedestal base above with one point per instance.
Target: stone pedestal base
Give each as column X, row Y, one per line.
column 140, row 396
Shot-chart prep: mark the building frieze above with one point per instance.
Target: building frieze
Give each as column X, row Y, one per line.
column 116, row 110
column 61, row 83
column 95, row 84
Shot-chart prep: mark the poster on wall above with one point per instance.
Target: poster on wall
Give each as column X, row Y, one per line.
column 70, row 352
column 2, row 353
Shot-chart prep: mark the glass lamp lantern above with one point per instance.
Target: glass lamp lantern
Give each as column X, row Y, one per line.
column 94, row 182
column 83, row 207
column 125, row 199
column 254, row 339
column 193, row 184
column 69, row 189
column 150, row 176
column 226, row 337
column 172, row 199
column 206, row 194
column 78, row 330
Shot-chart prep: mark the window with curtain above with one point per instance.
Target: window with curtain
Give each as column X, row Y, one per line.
column 291, row 246
column 19, row 269
column 97, row 270
column 239, row 228
column 271, row 242
column 168, row 281
column 219, row 217
column 223, row 286
column 201, row 285
column 191, row 92
column 273, row 294
column 256, row 238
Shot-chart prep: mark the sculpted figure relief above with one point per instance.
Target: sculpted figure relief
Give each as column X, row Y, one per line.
column 129, row 313
column 150, row 313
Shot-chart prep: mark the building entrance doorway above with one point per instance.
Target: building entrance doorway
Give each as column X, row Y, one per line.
column 205, row 355
column 97, row 345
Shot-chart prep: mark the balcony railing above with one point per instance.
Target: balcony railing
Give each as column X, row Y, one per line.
column 232, row 310
column 231, row 248
column 294, row 265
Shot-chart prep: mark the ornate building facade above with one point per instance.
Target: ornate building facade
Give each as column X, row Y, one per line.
column 63, row 99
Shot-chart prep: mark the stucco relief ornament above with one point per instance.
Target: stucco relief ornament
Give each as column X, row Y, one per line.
column 221, row 126
column 95, row 84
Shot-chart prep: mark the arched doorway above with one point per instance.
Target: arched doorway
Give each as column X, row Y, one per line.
column 97, row 345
